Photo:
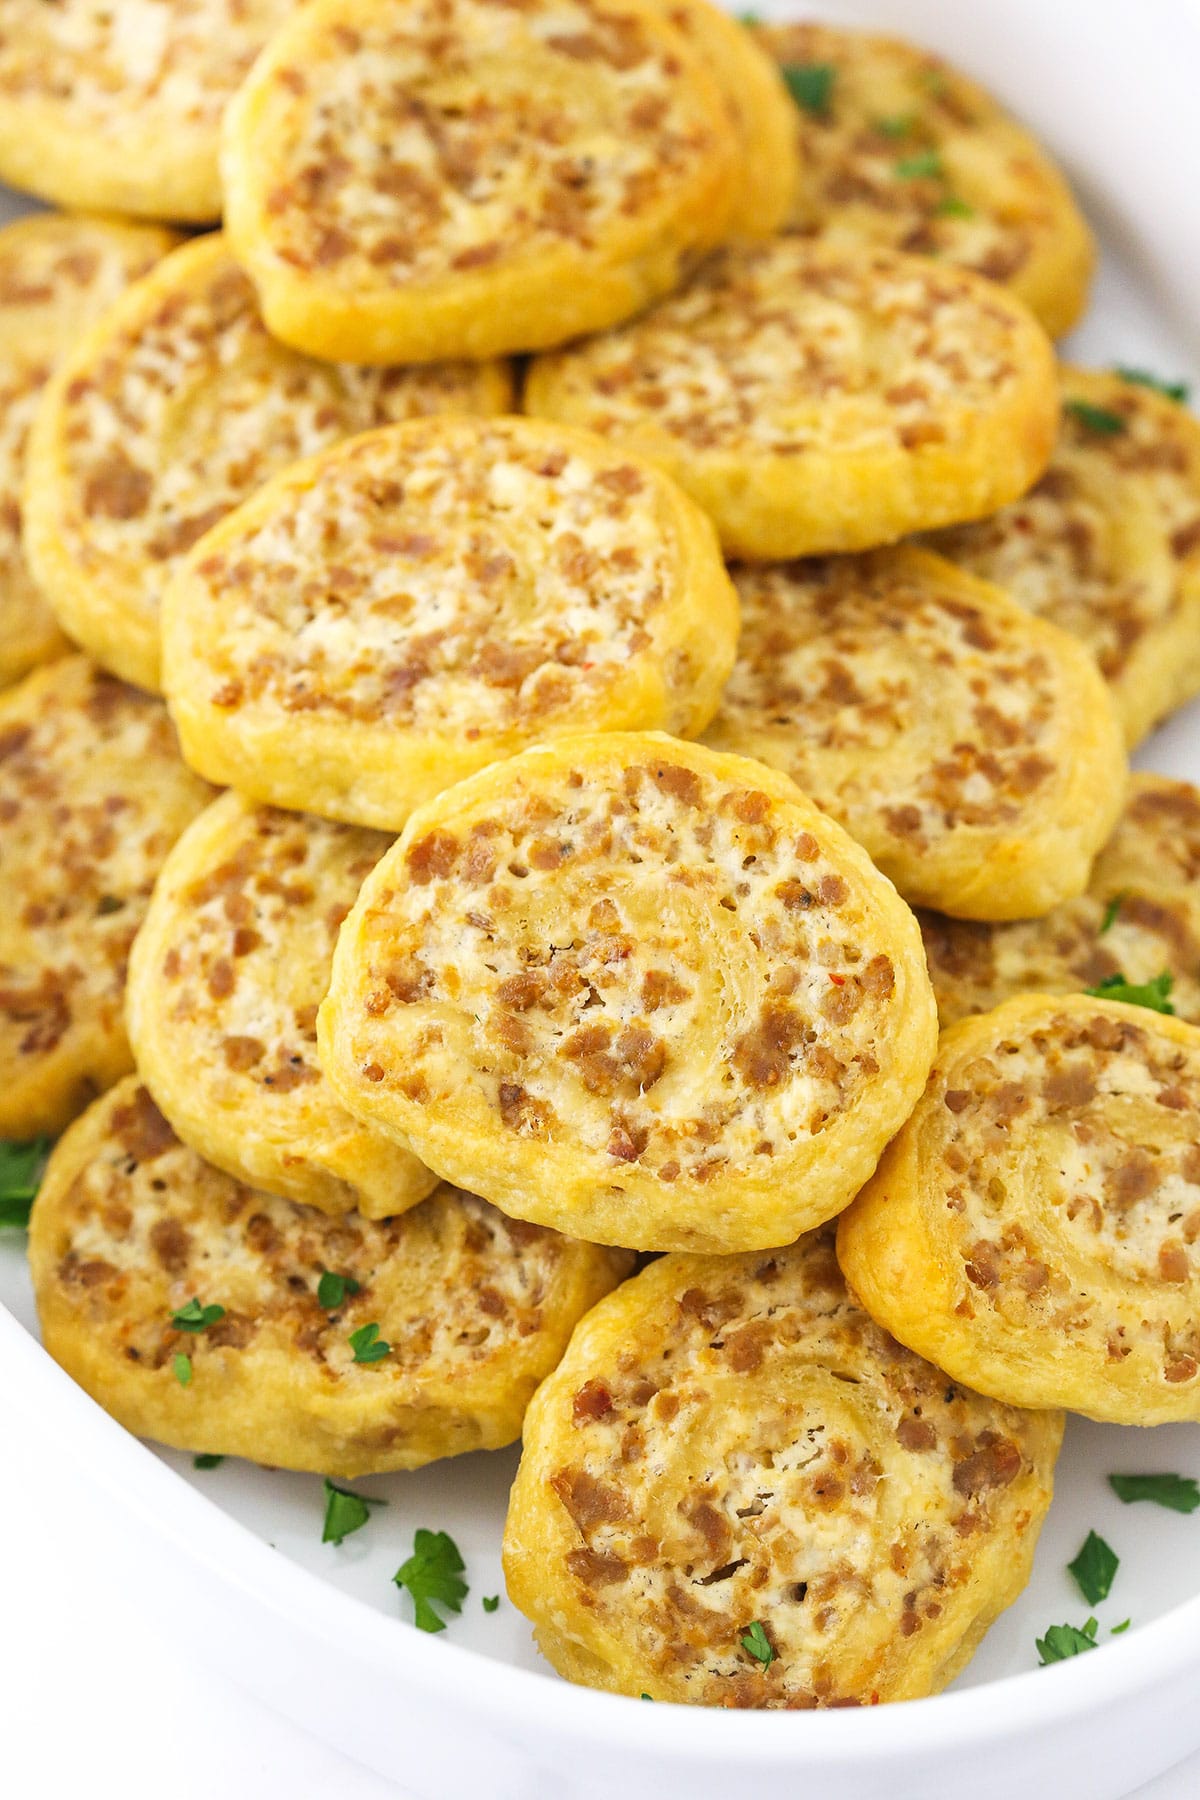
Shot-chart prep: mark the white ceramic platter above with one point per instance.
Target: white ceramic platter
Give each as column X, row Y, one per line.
column 474, row 1714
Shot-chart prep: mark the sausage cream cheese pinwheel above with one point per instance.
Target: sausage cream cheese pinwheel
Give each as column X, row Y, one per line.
column 134, row 1239
column 92, row 796
column 225, row 979
column 389, row 616
column 970, row 748
column 1138, row 921
column 56, row 275
column 816, row 398
column 1032, row 1229
column 410, row 182
column 634, row 989
column 106, row 108
column 1107, row 544
column 173, row 410
column 900, row 149
column 736, row 1490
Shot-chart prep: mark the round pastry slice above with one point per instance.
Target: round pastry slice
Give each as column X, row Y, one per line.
column 761, row 110
column 57, row 273
column 970, row 748
column 1107, row 544
column 903, row 151
column 103, row 107
column 412, row 182
column 737, row 1491
column 441, row 1325
column 221, row 1006
column 640, row 991
column 175, row 409
column 388, row 617
column 1138, row 922
column 92, row 796
column 1032, row 1229
column 815, row 398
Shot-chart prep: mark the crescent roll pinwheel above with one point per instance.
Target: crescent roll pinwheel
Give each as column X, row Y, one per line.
column 225, row 978
column 635, row 989
column 397, row 612
column 972, row 749
column 193, row 1307
column 736, row 1490
column 1032, row 1228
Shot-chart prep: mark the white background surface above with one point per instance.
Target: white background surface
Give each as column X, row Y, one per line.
column 97, row 1705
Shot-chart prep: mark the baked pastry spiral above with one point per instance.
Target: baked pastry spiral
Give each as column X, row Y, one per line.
column 225, row 979
column 388, row 617
column 637, row 990
column 814, row 398
column 1032, row 1227
column 971, row 749
column 736, row 1490
column 472, row 1310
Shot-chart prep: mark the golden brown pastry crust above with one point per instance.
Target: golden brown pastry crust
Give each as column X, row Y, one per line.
column 972, row 750
column 92, row 796
column 172, row 411
column 814, row 398
column 129, row 1226
column 1032, row 1227
column 225, row 978
column 731, row 1440
column 410, row 183
column 1107, row 544
column 911, row 154
column 642, row 991
column 1147, row 878
column 386, row 618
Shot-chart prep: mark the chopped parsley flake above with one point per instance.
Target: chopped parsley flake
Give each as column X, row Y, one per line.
column 367, row 1345
column 647, row 1696
column 345, row 1511
column 21, row 1169
column 490, row 1602
column 1094, row 1568
column 1177, row 1492
column 898, row 126
column 953, row 208
column 1152, row 994
column 433, row 1576
column 926, row 163
column 1062, row 1641
column 182, row 1366
column 332, row 1289
column 1111, row 910
column 1123, row 1626
column 1096, row 418
column 754, row 1640
column 194, row 1317
column 207, row 1461
column 810, row 85
column 1172, row 390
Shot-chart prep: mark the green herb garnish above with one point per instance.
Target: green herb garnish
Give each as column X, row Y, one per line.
column 1094, row 1568
column 21, row 1169
column 754, row 1639
column 1111, row 910
column 810, row 85
column 1178, row 1492
column 647, row 1696
column 1096, row 418
column 1172, row 390
column 1118, row 1629
column 433, row 1576
column 898, row 126
column 1062, row 1641
column 207, row 1461
column 926, row 163
column 490, row 1602
column 1146, row 993
column 345, row 1512
column 332, row 1289
column 194, row 1317
column 953, row 208
column 182, row 1366
column 367, row 1345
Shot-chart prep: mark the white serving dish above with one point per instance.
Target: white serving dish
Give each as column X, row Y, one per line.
column 474, row 1715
